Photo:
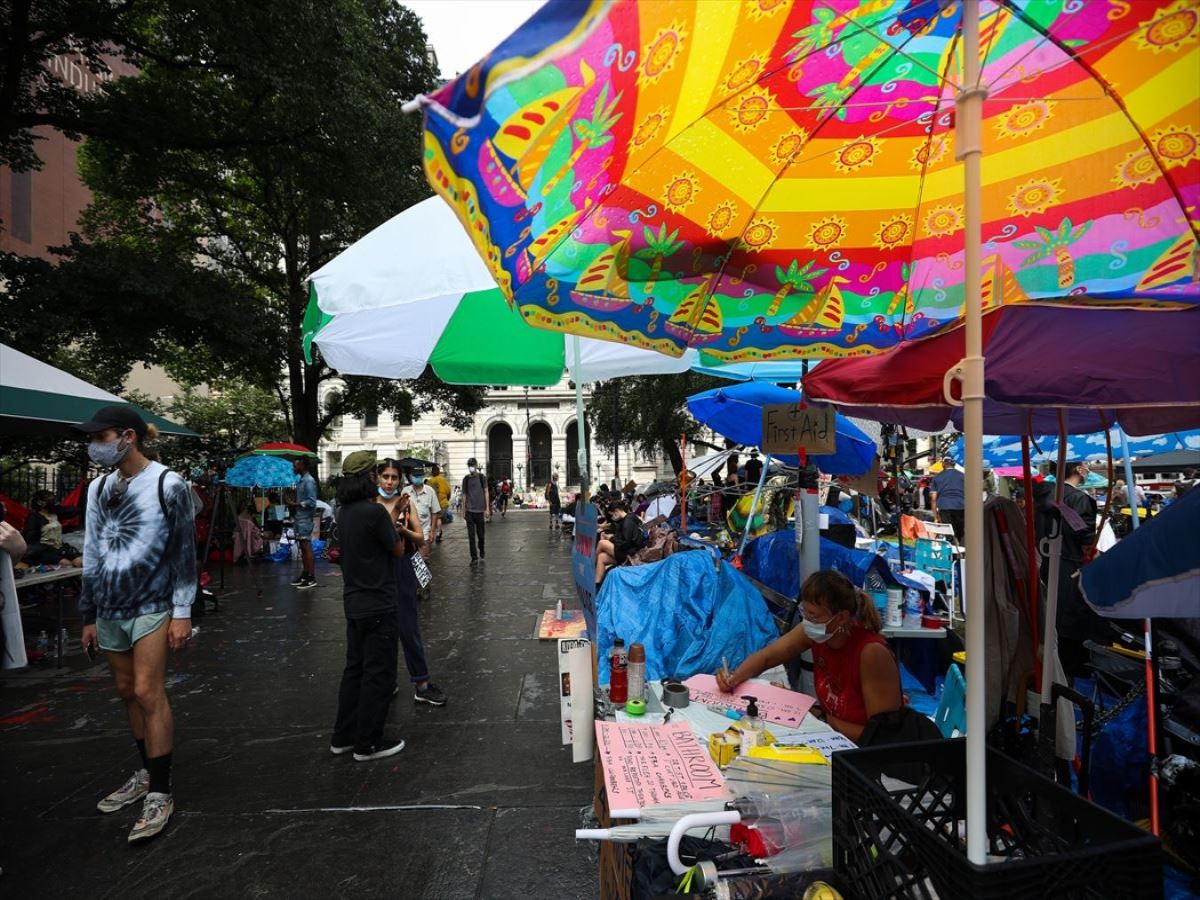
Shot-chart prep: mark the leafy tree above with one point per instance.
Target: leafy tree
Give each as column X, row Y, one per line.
column 647, row 411
column 254, row 144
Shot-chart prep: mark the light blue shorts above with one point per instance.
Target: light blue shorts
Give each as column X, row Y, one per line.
column 304, row 528
column 119, row 635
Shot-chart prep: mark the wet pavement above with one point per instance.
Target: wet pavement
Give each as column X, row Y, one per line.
column 482, row 803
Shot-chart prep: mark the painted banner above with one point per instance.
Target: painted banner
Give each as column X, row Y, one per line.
column 650, row 765
column 583, row 561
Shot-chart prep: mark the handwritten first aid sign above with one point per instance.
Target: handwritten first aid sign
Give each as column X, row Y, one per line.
column 789, row 427
column 646, row 765
column 774, row 704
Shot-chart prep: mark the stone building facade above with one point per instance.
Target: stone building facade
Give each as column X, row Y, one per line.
column 522, row 434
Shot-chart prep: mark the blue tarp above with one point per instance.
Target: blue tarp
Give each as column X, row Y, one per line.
column 688, row 614
column 773, row 560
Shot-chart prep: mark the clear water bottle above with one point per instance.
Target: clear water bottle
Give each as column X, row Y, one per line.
column 43, row 643
column 63, row 638
column 914, row 608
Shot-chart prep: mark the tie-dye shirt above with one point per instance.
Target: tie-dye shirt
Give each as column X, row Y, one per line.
column 135, row 562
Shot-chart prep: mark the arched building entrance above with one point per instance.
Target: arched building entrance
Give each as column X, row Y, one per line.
column 541, row 453
column 500, row 451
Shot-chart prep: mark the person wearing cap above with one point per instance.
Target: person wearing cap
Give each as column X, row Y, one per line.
column 477, row 504
column 425, row 502
column 306, row 508
column 370, row 540
column 948, row 498
column 139, row 581
column 754, row 468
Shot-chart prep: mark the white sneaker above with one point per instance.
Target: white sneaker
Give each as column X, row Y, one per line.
column 131, row 791
column 380, row 751
column 156, row 812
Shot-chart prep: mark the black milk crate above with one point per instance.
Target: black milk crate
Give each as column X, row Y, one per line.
column 908, row 839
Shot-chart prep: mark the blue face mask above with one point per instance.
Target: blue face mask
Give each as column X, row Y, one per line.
column 387, row 495
column 418, row 480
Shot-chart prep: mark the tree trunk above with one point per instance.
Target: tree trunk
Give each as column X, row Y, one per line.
column 671, row 451
column 777, row 300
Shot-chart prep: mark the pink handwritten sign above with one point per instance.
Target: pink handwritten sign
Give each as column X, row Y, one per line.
column 774, row 704
column 645, row 765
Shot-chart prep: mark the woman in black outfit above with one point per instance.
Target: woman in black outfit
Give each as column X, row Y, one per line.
column 400, row 509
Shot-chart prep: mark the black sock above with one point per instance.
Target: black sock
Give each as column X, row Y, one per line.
column 141, row 745
column 160, row 773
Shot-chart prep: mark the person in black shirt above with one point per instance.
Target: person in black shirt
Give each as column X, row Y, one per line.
column 627, row 538
column 754, row 468
column 369, row 543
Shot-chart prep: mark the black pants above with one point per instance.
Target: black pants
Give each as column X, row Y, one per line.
column 367, row 681
column 474, row 532
column 956, row 519
column 407, row 622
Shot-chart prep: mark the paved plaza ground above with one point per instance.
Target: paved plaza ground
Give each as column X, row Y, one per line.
column 482, row 803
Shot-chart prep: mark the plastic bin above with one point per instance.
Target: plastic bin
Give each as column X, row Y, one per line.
column 907, row 840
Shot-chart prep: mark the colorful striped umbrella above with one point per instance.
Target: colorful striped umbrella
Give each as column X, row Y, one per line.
column 1006, row 451
column 766, row 179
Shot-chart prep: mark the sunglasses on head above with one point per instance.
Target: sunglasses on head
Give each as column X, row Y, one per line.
column 117, row 494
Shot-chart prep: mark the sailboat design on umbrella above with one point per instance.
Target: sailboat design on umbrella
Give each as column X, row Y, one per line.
column 821, row 317
column 603, row 285
column 697, row 319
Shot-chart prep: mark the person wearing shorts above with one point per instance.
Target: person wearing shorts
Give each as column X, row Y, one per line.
column 306, row 511
column 139, row 581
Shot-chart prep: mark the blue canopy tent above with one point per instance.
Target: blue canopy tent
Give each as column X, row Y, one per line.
column 735, row 412
column 1153, row 573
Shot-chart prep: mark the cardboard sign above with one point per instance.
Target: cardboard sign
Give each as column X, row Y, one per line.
column 565, row 646
column 789, row 427
column 571, row 625
column 774, row 704
column 583, row 561
column 646, row 765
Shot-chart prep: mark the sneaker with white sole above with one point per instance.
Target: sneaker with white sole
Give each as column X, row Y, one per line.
column 156, row 812
column 306, row 583
column 339, row 750
column 296, row 582
column 431, row 694
column 379, row 751
column 131, row 791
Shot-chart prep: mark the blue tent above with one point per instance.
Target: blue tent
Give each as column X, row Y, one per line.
column 735, row 412
column 1006, row 451
column 1153, row 573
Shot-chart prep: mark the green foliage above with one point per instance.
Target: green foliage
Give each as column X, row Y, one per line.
column 647, row 411
column 256, row 141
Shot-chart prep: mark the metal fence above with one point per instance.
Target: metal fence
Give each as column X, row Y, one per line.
column 21, row 482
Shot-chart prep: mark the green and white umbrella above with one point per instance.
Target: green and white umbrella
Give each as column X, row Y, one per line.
column 35, row 397
column 414, row 292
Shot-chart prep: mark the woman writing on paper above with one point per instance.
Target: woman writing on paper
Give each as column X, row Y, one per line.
column 855, row 674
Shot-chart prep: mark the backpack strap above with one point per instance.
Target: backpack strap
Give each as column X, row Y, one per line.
column 162, row 493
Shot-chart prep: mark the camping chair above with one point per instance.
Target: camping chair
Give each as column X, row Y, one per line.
column 937, row 557
column 951, row 714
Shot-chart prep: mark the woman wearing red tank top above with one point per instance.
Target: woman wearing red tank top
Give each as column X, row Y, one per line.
column 855, row 673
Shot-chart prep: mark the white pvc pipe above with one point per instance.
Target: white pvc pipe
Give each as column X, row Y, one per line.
column 581, row 455
column 810, row 541
column 593, row 834
column 1053, row 551
column 969, row 107
column 687, row 823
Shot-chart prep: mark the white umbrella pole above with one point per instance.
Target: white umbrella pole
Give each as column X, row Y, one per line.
column 581, row 454
column 1151, row 685
column 969, row 104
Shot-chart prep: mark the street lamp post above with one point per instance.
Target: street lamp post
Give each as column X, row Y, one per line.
column 528, row 448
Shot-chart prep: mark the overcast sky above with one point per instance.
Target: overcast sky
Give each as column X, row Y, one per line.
column 462, row 31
